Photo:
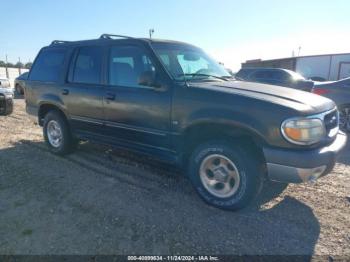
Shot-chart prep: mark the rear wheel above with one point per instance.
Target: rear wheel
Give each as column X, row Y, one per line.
column 344, row 118
column 225, row 176
column 57, row 133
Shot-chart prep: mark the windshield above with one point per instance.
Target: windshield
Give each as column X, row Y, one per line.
column 185, row 62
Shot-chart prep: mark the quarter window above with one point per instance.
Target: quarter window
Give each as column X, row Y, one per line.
column 48, row 66
column 87, row 68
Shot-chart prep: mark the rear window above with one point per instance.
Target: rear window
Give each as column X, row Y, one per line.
column 48, row 65
column 87, row 67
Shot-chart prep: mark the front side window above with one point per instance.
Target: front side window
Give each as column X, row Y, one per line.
column 128, row 65
column 48, row 66
column 87, row 67
column 185, row 62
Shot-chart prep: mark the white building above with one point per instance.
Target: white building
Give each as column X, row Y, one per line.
column 327, row 67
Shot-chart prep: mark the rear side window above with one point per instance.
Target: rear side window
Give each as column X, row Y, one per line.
column 48, row 66
column 87, row 66
column 243, row 73
column 262, row 75
column 279, row 75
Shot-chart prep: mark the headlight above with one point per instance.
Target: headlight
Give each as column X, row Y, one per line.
column 303, row 131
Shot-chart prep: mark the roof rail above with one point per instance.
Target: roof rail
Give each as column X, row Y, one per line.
column 56, row 42
column 110, row 36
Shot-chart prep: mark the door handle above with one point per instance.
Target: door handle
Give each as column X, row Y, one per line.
column 110, row 96
column 65, row 92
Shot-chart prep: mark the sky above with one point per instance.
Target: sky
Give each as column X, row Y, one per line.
column 230, row 31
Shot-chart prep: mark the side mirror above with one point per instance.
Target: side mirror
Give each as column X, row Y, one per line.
column 148, row 78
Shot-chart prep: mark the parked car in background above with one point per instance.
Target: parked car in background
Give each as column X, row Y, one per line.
column 275, row 76
column 339, row 92
column 6, row 97
column 19, row 83
column 170, row 100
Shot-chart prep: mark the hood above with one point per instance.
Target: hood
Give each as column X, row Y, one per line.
column 301, row 101
column 6, row 91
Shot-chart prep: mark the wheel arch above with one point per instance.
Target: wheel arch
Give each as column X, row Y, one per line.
column 202, row 132
column 45, row 107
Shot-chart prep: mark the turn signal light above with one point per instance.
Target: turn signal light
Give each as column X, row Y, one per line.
column 320, row 91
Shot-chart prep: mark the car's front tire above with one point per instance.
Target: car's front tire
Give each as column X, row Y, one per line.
column 344, row 115
column 225, row 175
column 57, row 133
column 19, row 90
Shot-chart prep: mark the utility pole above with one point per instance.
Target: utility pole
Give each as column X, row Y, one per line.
column 7, row 71
column 299, row 50
column 151, row 32
column 19, row 68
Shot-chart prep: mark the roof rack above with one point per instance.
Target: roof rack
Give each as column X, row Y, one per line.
column 110, row 36
column 56, row 42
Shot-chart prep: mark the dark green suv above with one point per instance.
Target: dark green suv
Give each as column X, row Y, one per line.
column 170, row 100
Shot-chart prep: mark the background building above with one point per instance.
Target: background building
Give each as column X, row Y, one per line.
column 317, row 67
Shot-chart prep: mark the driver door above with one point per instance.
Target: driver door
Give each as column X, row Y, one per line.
column 136, row 114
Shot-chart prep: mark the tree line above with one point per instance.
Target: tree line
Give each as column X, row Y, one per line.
column 17, row 65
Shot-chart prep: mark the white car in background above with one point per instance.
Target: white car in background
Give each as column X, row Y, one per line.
column 6, row 97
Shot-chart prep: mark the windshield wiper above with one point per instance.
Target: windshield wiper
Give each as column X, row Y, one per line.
column 214, row 76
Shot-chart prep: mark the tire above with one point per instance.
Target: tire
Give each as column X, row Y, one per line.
column 6, row 106
column 19, row 90
column 344, row 112
column 245, row 186
column 57, row 133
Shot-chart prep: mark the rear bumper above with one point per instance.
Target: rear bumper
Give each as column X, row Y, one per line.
column 292, row 166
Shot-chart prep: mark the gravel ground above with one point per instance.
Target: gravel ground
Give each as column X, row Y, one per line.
column 101, row 201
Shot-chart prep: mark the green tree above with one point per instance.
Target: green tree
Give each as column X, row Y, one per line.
column 9, row 64
column 19, row 65
column 28, row 65
column 2, row 63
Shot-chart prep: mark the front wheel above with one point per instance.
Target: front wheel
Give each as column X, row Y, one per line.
column 344, row 118
column 226, row 176
column 19, row 90
column 57, row 133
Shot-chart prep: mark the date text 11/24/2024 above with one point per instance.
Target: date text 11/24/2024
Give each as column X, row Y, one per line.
column 173, row 258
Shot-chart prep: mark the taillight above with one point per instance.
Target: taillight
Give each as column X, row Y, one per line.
column 320, row 91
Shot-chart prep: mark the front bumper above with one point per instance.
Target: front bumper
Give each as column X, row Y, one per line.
column 6, row 105
column 292, row 166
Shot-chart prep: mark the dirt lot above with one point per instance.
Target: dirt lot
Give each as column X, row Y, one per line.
column 100, row 201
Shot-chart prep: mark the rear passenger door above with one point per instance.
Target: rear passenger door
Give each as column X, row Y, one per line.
column 83, row 91
column 136, row 114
